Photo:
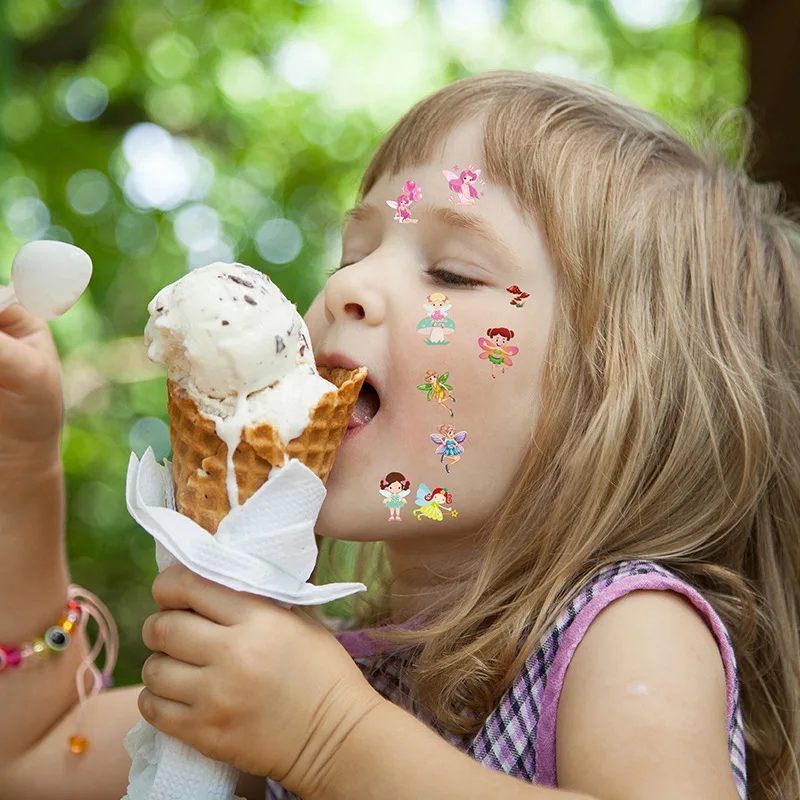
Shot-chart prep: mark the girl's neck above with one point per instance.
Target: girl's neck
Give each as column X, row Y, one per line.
column 423, row 569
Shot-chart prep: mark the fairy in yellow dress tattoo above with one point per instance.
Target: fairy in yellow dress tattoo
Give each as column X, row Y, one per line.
column 433, row 503
column 437, row 387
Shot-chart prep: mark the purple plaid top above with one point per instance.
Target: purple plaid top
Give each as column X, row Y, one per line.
column 519, row 736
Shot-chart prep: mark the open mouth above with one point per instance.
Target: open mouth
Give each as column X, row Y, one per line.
column 367, row 406
column 368, row 402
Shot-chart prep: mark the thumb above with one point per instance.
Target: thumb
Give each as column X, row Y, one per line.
column 22, row 338
column 18, row 323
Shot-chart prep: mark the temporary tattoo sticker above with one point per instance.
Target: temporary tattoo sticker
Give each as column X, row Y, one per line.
column 437, row 325
column 496, row 349
column 432, row 504
column 463, row 185
column 519, row 296
column 394, row 488
column 411, row 194
column 438, row 389
column 449, row 441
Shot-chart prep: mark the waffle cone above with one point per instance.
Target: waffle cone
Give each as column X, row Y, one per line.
column 199, row 456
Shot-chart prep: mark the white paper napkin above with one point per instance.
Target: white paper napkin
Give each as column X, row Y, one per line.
column 265, row 547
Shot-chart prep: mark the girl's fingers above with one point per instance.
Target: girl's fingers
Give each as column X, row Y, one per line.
column 183, row 635
column 169, row 716
column 177, row 587
column 170, row 679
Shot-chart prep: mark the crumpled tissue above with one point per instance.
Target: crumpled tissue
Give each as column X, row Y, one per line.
column 266, row 547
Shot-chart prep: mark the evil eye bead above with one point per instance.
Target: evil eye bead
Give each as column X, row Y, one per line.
column 56, row 638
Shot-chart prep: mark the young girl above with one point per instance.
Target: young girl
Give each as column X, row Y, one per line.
column 615, row 611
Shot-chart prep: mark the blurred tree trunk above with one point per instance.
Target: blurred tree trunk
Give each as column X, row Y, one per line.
column 772, row 28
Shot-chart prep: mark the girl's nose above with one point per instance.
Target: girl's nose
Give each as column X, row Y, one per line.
column 349, row 296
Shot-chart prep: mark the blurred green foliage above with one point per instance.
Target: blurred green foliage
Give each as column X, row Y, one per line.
column 159, row 135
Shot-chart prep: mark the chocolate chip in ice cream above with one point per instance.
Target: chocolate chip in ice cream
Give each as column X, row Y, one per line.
column 280, row 345
column 242, row 281
column 225, row 322
column 250, row 300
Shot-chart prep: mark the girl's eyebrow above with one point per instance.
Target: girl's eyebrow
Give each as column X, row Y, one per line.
column 463, row 221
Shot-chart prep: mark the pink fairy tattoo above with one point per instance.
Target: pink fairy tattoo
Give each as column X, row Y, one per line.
column 462, row 184
column 496, row 349
column 411, row 194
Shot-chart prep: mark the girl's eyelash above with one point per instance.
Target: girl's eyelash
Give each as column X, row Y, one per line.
column 451, row 278
column 441, row 276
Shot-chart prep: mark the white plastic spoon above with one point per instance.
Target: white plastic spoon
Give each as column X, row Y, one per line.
column 47, row 278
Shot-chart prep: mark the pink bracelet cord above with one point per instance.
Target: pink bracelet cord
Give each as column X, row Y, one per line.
column 108, row 636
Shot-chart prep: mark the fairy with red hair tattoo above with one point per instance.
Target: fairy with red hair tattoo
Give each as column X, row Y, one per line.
column 496, row 349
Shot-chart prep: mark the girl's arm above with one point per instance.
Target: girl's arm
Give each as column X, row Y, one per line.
column 642, row 714
column 47, row 771
column 390, row 754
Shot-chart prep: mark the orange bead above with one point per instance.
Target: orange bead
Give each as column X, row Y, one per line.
column 78, row 743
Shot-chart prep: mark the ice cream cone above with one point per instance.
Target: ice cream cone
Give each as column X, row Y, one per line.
column 199, row 457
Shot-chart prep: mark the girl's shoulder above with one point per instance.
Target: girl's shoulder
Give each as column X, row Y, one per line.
column 526, row 717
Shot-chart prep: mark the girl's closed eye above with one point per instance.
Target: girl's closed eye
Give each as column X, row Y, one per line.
column 446, row 278
column 440, row 276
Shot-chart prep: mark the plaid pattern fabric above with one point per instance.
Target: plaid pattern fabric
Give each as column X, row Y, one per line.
column 511, row 739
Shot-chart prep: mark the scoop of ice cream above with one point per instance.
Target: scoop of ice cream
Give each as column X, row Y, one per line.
column 240, row 349
column 225, row 330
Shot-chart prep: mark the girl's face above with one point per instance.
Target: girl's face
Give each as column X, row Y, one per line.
column 394, row 487
column 500, row 340
column 439, row 498
column 367, row 314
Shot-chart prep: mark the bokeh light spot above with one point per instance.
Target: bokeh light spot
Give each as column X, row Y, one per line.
column 27, row 218
column 303, row 64
column 88, row 192
column 20, row 117
column 164, row 171
column 150, row 432
column 86, row 99
column 244, row 79
column 470, row 15
column 171, row 56
column 388, row 14
column 198, row 227
column 650, row 14
column 221, row 250
column 279, row 241
column 56, row 233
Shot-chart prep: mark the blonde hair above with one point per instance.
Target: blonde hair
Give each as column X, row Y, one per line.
column 669, row 426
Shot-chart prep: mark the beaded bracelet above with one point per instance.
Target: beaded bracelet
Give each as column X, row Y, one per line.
column 54, row 640
column 81, row 605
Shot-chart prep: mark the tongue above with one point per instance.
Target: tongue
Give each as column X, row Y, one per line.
column 366, row 406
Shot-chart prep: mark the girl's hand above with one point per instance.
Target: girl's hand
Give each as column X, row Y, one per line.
column 249, row 683
column 30, row 391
